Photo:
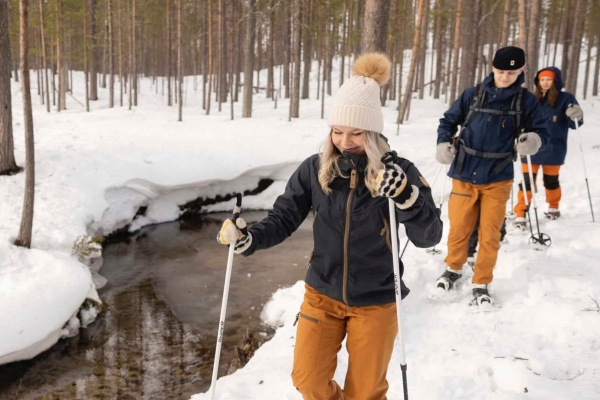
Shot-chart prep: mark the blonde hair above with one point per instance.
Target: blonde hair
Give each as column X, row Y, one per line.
column 375, row 148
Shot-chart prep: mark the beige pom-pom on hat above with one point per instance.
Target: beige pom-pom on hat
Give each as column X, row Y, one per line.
column 357, row 103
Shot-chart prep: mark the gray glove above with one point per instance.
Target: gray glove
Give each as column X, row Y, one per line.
column 528, row 143
column 444, row 153
column 574, row 112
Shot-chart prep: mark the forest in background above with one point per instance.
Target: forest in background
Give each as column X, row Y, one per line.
column 218, row 42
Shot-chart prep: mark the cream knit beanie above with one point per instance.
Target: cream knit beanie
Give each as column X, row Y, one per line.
column 357, row 103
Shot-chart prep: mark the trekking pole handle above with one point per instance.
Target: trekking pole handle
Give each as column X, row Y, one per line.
column 237, row 209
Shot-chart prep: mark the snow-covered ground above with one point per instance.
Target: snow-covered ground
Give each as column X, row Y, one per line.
column 94, row 170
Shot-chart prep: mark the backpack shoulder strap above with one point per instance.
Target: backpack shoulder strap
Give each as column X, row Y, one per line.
column 476, row 103
column 519, row 107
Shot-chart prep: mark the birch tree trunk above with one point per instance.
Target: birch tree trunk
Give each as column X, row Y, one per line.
column 249, row 59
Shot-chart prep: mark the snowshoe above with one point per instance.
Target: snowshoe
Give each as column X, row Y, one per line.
column 520, row 223
column 481, row 297
column 552, row 213
column 447, row 280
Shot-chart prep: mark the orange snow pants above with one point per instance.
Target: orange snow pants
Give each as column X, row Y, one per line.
column 322, row 325
column 551, row 183
column 467, row 202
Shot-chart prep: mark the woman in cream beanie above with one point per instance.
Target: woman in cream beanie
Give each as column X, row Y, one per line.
column 350, row 281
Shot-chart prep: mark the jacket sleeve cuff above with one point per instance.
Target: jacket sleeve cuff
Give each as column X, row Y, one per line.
column 407, row 197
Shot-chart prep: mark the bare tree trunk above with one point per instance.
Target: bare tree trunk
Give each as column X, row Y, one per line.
column 590, row 44
column 179, row 66
column 249, row 59
column 85, row 54
column 423, row 51
column 169, row 98
column 44, row 57
column 286, row 51
column 532, row 42
column 597, row 63
column 575, row 50
column 437, row 45
column 567, row 40
column 505, row 23
column 413, row 62
column 522, row 25
column 111, row 75
column 296, row 33
column 8, row 165
column 25, row 231
column 307, row 50
column 374, row 34
column 120, row 44
column 134, row 73
column 270, row 52
column 343, row 44
column 62, row 81
column 94, row 52
column 456, row 51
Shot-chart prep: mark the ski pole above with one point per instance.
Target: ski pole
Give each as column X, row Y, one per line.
column 389, row 158
column 584, row 169
column 433, row 250
column 526, row 198
column 436, row 175
column 236, row 214
column 541, row 238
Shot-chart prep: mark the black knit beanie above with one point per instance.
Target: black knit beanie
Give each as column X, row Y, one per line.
column 509, row 58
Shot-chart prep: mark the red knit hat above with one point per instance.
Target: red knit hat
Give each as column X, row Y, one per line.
column 548, row 73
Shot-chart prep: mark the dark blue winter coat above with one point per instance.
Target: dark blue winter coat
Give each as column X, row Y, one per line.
column 558, row 124
column 489, row 132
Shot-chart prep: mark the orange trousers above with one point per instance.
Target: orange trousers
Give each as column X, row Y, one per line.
column 467, row 203
column 551, row 184
column 322, row 325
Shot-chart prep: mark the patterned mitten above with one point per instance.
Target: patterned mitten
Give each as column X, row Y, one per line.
column 233, row 233
column 392, row 183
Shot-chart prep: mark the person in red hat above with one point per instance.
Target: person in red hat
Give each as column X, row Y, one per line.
column 561, row 111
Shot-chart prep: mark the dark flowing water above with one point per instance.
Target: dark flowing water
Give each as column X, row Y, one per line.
column 158, row 337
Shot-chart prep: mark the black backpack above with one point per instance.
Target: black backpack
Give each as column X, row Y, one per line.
column 516, row 111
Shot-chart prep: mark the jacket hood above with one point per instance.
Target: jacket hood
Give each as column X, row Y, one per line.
column 558, row 82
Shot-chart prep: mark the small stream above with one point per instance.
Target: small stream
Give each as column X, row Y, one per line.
column 164, row 292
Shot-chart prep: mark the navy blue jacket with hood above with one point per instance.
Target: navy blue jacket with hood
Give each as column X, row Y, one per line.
column 490, row 133
column 352, row 260
column 558, row 123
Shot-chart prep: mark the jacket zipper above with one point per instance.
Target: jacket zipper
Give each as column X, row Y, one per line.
column 386, row 231
column 311, row 319
column 353, row 185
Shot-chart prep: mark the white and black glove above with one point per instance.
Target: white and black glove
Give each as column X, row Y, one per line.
column 574, row 112
column 528, row 143
column 393, row 183
column 235, row 233
column 444, row 153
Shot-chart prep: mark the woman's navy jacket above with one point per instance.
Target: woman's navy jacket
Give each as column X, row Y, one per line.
column 558, row 124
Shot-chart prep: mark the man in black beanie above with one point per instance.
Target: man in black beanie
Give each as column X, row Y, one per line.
column 498, row 119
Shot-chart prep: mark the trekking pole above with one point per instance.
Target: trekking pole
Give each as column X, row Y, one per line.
column 541, row 238
column 389, row 158
column 584, row 169
column 236, row 214
column 434, row 250
column 436, row 175
column 524, row 187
